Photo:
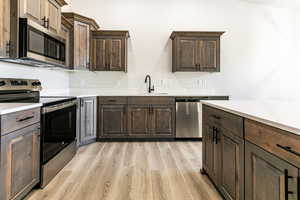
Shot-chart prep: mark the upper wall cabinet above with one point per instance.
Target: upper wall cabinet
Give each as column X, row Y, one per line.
column 82, row 27
column 67, row 34
column 46, row 13
column 109, row 50
column 196, row 51
column 4, row 28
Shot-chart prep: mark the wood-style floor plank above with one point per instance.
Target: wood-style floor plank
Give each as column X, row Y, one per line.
column 132, row 171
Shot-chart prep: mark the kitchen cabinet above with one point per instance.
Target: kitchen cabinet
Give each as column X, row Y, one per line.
column 20, row 162
column 139, row 121
column 113, row 120
column 136, row 117
column 231, row 182
column 268, row 177
column 223, row 152
column 4, row 28
column 109, row 50
column 46, row 13
column 66, row 33
column 196, row 51
column 163, row 120
column 88, row 120
column 211, row 152
column 82, row 27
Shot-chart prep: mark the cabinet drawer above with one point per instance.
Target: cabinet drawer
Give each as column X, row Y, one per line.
column 112, row 100
column 151, row 100
column 18, row 120
column 228, row 121
column 281, row 143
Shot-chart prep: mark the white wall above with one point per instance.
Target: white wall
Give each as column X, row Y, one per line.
column 259, row 49
column 54, row 81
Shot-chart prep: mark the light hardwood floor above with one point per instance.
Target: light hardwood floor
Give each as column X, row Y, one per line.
column 132, row 171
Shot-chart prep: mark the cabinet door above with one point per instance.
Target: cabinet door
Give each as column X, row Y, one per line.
column 268, row 177
column 100, row 60
column 232, row 166
column 66, row 34
column 186, row 55
column 32, row 9
column 20, row 162
column 207, row 55
column 162, row 118
column 211, row 153
column 53, row 15
column 4, row 28
column 113, row 120
column 138, row 121
column 81, row 45
column 88, row 120
column 115, row 54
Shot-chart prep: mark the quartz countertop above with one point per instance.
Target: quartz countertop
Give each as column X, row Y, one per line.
column 6, row 108
column 119, row 93
column 280, row 114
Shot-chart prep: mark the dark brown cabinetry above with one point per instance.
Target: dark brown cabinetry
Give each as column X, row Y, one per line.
column 67, row 34
column 82, row 27
column 114, row 120
column 196, row 51
column 20, row 153
column 46, row 13
column 88, row 120
column 136, row 117
column 223, row 152
column 139, row 120
column 268, row 177
column 109, row 50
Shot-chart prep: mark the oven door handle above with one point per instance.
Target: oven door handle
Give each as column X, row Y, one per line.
column 58, row 107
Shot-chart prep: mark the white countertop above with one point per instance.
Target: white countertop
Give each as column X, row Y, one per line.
column 280, row 114
column 6, row 108
column 113, row 93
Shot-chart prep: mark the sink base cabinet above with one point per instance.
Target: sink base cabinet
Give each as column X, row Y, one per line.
column 268, row 177
column 20, row 162
column 141, row 118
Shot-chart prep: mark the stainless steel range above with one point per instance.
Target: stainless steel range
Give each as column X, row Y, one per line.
column 58, row 121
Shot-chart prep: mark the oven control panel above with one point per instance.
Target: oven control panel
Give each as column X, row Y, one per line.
column 8, row 84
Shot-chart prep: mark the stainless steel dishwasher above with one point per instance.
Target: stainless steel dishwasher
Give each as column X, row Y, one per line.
column 189, row 116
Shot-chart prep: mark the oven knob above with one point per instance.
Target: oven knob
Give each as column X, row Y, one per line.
column 37, row 83
column 2, row 83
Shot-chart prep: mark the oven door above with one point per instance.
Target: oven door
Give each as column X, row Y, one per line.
column 58, row 130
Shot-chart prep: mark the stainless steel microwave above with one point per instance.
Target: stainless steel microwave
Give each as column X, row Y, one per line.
column 37, row 45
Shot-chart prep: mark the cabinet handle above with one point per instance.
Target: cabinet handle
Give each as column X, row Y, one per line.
column 216, row 117
column 214, row 134
column 8, row 45
column 45, row 22
column 25, row 119
column 286, row 184
column 288, row 149
column 112, row 100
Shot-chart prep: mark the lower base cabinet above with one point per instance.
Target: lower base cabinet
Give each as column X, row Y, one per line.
column 231, row 166
column 20, row 162
column 136, row 117
column 87, row 120
column 268, row 177
column 113, row 121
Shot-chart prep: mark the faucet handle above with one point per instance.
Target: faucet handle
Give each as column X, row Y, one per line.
column 152, row 89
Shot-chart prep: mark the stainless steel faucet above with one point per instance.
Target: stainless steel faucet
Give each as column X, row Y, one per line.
column 150, row 88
